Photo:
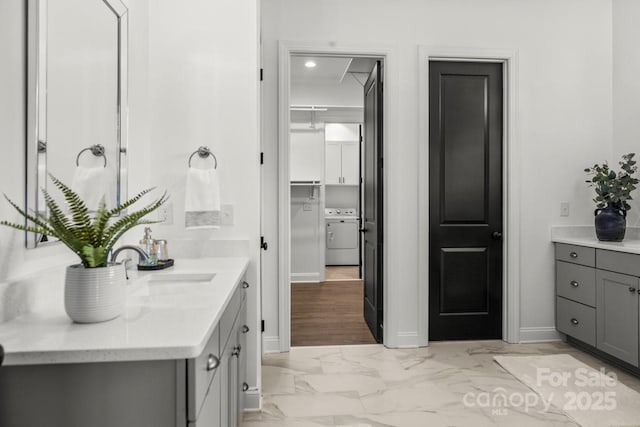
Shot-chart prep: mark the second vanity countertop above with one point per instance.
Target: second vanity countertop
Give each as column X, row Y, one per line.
column 161, row 321
column 586, row 236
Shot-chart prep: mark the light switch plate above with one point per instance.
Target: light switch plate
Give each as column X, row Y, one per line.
column 226, row 212
column 564, row 208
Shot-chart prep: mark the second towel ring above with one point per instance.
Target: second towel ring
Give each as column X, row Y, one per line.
column 97, row 150
column 204, row 152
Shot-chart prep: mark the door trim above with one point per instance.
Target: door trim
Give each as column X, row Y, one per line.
column 285, row 50
column 511, row 181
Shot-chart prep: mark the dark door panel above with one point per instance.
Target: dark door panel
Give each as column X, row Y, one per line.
column 465, row 207
column 372, row 209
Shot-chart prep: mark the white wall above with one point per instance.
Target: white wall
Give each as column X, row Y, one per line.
column 564, row 117
column 307, row 92
column 204, row 90
column 626, row 87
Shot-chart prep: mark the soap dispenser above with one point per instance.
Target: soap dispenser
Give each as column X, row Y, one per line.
column 148, row 243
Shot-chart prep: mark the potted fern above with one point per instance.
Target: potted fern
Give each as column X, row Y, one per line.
column 613, row 192
column 95, row 288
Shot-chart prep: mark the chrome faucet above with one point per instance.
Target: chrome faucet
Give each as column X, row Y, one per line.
column 142, row 255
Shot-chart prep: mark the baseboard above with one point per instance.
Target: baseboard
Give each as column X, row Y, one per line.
column 540, row 334
column 252, row 400
column 271, row 344
column 306, row 277
column 407, row 340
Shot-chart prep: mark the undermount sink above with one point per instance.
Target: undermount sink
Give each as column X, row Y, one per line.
column 182, row 278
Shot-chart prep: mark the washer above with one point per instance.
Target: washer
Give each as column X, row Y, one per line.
column 342, row 236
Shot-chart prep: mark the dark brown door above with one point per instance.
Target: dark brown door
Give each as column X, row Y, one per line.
column 465, row 200
column 372, row 210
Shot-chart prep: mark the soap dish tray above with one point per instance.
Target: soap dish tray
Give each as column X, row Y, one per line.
column 161, row 265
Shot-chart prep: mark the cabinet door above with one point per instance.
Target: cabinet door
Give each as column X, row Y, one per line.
column 617, row 315
column 333, row 163
column 351, row 163
column 209, row 415
column 225, row 383
column 243, row 330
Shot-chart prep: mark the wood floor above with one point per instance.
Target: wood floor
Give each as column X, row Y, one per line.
column 342, row 272
column 328, row 313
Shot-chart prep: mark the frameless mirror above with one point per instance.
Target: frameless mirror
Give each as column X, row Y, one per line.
column 77, row 101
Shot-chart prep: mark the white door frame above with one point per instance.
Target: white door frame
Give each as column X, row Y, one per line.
column 511, row 180
column 285, row 50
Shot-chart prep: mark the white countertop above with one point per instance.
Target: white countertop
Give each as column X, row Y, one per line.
column 586, row 236
column 160, row 320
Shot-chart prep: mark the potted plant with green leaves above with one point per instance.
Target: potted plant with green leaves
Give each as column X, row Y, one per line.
column 95, row 288
column 613, row 192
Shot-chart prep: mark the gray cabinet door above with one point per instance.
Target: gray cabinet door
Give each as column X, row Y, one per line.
column 617, row 315
column 209, row 415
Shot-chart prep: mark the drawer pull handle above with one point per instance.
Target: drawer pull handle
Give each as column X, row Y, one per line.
column 574, row 321
column 632, row 289
column 212, row 362
column 245, row 329
column 575, row 284
column 245, row 386
column 245, row 285
column 573, row 255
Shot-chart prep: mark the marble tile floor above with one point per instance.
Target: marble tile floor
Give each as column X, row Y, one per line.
column 371, row 386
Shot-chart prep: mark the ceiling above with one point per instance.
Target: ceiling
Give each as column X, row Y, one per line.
column 330, row 69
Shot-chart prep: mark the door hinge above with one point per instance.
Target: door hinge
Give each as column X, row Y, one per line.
column 263, row 244
column 261, row 74
column 262, row 325
column 361, row 139
column 262, row 157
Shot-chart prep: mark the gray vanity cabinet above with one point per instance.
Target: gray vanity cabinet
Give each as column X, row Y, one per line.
column 205, row 391
column 617, row 323
column 597, row 299
column 223, row 404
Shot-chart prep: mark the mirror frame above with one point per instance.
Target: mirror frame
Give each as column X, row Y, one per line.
column 36, row 99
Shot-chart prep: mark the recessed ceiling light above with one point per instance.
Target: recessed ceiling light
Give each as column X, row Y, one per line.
column 309, row 64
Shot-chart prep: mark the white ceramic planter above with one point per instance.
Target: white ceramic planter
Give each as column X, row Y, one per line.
column 94, row 294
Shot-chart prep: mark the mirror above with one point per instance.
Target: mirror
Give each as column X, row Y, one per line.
column 77, row 101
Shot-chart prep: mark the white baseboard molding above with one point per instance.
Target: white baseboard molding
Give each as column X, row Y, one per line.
column 306, row 277
column 407, row 340
column 252, row 400
column 540, row 334
column 271, row 344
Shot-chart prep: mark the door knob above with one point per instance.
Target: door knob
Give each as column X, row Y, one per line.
column 496, row 235
column 363, row 230
column 632, row 289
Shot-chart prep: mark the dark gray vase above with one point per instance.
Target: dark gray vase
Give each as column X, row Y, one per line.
column 611, row 224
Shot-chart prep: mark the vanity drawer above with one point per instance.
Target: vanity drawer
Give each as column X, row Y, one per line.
column 576, row 320
column 619, row 262
column 576, row 282
column 200, row 372
column 230, row 314
column 576, row 254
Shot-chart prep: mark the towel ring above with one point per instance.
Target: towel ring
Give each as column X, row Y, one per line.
column 97, row 150
column 203, row 152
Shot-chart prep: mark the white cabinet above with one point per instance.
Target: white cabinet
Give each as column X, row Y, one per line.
column 305, row 155
column 342, row 163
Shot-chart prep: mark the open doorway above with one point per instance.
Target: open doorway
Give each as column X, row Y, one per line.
column 335, row 156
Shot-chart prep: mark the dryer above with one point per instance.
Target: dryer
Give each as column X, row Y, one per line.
column 342, row 237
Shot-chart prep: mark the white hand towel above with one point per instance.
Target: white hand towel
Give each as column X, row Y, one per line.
column 91, row 184
column 202, row 199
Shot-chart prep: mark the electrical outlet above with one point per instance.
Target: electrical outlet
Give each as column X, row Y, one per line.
column 564, row 208
column 165, row 213
column 226, row 213
column 306, row 207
